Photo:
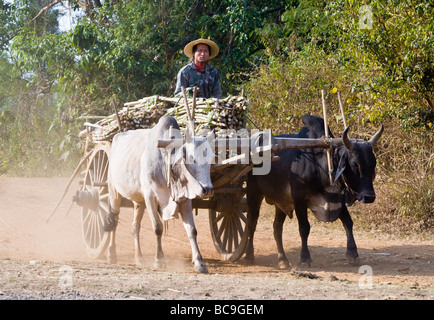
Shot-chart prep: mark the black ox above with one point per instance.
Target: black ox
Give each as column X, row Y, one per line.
column 300, row 180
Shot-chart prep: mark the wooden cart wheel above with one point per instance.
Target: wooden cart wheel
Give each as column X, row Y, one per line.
column 228, row 224
column 96, row 205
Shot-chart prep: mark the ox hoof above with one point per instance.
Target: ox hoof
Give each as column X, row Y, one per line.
column 305, row 263
column 353, row 261
column 200, row 267
column 112, row 259
column 283, row 265
column 140, row 262
column 160, row 265
column 249, row 260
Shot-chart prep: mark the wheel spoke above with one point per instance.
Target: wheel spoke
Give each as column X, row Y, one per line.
column 90, row 228
column 221, row 229
column 219, row 217
column 95, row 230
column 235, row 232
column 104, row 207
column 230, row 234
column 98, row 166
column 86, row 217
column 239, row 225
column 105, row 170
column 87, row 223
column 91, row 182
column 225, row 234
column 99, row 227
column 241, row 215
column 101, row 218
column 103, row 197
column 97, row 235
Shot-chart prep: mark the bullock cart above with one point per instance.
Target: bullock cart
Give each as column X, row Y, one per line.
column 227, row 208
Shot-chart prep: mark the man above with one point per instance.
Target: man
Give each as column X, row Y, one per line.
column 198, row 73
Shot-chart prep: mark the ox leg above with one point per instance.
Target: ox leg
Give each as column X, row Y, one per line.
column 188, row 221
column 352, row 255
column 111, row 221
column 304, row 230
column 139, row 209
column 157, row 225
column 254, row 200
column 282, row 260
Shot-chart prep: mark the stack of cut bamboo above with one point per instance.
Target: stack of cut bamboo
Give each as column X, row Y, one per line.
column 211, row 113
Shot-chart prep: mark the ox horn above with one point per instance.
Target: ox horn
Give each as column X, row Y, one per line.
column 376, row 136
column 348, row 144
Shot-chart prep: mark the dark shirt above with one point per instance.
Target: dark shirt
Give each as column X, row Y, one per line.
column 208, row 81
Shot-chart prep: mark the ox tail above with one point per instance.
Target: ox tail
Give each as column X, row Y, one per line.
column 111, row 221
column 166, row 227
column 166, row 224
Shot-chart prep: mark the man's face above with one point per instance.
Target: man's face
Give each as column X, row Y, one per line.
column 201, row 55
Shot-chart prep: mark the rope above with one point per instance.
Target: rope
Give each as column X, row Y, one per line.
column 252, row 122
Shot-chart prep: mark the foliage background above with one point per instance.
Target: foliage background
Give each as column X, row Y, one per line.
column 377, row 54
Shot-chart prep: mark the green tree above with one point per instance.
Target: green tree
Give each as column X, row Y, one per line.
column 385, row 52
column 133, row 49
column 122, row 50
column 36, row 132
column 380, row 58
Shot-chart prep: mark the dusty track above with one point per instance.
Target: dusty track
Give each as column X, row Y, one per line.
column 33, row 253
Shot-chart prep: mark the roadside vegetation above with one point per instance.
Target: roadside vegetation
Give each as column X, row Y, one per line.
column 379, row 56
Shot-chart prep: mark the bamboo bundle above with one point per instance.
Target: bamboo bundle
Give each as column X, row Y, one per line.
column 211, row 113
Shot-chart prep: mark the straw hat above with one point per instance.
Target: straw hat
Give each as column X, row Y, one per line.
column 188, row 49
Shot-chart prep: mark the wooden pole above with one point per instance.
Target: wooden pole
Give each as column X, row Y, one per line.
column 341, row 105
column 187, row 108
column 117, row 115
column 169, row 160
column 326, row 129
column 194, row 102
column 76, row 171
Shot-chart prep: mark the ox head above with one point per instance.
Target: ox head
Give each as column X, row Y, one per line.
column 356, row 165
column 191, row 168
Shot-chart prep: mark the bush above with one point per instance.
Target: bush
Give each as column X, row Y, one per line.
column 38, row 138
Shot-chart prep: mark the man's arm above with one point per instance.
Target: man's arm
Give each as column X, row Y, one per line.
column 217, row 88
column 181, row 81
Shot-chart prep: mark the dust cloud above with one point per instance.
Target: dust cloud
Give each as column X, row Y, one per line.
column 25, row 205
column 24, row 233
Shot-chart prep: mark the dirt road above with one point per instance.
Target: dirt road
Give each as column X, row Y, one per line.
column 40, row 260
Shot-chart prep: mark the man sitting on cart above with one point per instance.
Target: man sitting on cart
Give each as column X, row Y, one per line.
column 198, row 73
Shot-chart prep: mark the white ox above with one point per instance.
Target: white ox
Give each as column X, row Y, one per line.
column 138, row 171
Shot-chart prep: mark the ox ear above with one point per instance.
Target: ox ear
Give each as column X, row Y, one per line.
column 183, row 185
column 343, row 159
